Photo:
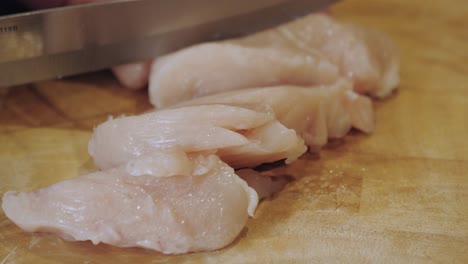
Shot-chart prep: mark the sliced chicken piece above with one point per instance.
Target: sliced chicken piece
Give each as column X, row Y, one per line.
column 217, row 67
column 202, row 210
column 316, row 113
column 313, row 50
column 366, row 56
column 241, row 137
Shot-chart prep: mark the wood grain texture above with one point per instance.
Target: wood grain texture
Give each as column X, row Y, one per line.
column 397, row 196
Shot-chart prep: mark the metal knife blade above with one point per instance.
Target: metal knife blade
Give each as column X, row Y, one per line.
column 64, row 41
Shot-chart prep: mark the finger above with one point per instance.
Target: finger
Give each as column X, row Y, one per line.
column 134, row 76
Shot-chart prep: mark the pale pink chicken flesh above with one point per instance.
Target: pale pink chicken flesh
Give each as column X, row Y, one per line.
column 315, row 113
column 313, row 50
column 204, row 209
column 367, row 57
column 217, row 67
column 241, row 137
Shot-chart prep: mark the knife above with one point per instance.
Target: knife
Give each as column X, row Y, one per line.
column 59, row 42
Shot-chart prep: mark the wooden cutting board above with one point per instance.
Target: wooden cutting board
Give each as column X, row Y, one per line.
column 399, row 195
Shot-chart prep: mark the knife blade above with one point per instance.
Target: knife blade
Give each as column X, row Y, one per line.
column 59, row 42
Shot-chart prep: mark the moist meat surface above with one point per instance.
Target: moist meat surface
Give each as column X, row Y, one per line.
column 204, row 209
column 316, row 113
column 314, row 50
column 240, row 136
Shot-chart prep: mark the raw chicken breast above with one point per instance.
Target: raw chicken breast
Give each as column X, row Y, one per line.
column 268, row 143
column 217, row 67
column 204, row 209
column 316, row 113
column 313, row 50
column 368, row 57
column 241, row 137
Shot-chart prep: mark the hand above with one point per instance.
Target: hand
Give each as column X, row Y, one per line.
column 133, row 76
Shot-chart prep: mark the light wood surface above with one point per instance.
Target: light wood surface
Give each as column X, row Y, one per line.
column 397, row 196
